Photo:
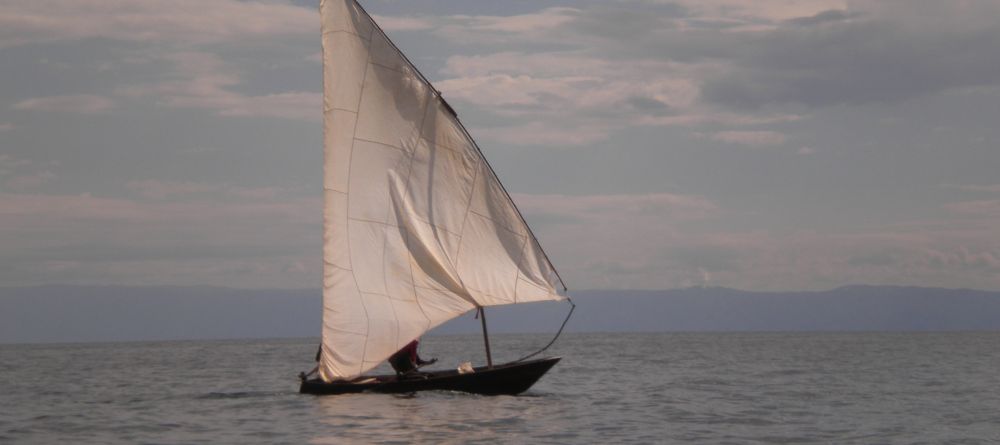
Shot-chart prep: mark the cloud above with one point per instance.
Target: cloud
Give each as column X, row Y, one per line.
column 178, row 32
column 542, row 134
column 630, row 232
column 699, row 118
column 204, row 81
column 680, row 70
column 554, row 93
column 484, row 29
column 766, row 10
column 992, row 188
column 733, row 71
column 585, row 81
column 775, row 53
column 751, row 138
column 829, row 16
column 177, row 21
column 620, row 206
column 31, row 180
column 986, row 207
column 8, row 163
column 79, row 103
column 403, row 24
column 540, row 64
column 673, row 240
column 220, row 237
column 160, row 190
column 21, row 174
column 519, row 24
column 882, row 54
column 522, row 92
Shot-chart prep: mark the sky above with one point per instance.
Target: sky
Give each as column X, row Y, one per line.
column 651, row 144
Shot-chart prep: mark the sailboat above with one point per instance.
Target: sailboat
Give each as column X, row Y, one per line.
column 417, row 229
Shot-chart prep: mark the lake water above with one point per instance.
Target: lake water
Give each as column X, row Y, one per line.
column 610, row 388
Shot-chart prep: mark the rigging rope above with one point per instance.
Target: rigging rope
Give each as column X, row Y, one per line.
column 570, row 314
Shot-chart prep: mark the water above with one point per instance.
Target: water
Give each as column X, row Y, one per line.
column 617, row 388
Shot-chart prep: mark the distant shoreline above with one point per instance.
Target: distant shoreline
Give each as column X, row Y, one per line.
column 101, row 314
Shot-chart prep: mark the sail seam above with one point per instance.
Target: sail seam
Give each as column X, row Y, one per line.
column 334, row 31
column 518, row 266
column 327, row 110
column 382, row 144
column 361, row 95
column 468, row 208
column 498, row 224
column 406, row 193
column 337, row 267
column 438, row 144
column 393, row 69
column 413, row 281
column 385, row 283
column 409, row 156
column 511, row 201
column 389, row 224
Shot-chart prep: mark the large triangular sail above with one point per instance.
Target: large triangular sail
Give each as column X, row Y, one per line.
column 417, row 229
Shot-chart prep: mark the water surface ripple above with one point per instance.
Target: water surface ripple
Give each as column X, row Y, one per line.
column 610, row 388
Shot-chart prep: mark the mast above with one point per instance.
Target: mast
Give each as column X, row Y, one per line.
column 486, row 337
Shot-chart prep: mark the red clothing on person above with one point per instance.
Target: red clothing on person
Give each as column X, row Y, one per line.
column 406, row 359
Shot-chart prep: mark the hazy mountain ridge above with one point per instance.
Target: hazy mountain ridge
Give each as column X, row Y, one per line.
column 118, row 313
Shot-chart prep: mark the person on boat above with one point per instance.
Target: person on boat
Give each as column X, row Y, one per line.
column 407, row 360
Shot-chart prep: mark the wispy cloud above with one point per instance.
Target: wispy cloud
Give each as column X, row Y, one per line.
column 662, row 206
column 985, row 207
column 8, row 163
column 543, row 134
column 751, row 138
column 176, row 21
column 159, row 190
column 190, row 238
column 204, row 81
column 769, row 10
column 522, row 27
column 985, row 188
column 390, row 23
column 667, row 240
column 23, row 174
column 549, row 91
column 719, row 61
column 30, row 180
column 79, row 103
column 631, row 232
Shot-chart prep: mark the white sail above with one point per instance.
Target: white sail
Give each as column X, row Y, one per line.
column 417, row 229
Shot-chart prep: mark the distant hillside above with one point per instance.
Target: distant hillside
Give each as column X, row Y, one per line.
column 99, row 313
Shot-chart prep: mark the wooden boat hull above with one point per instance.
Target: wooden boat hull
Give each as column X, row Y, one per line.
column 509, row 379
